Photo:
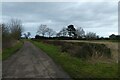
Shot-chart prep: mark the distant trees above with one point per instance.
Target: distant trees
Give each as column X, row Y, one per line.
column 80, row 32
column 71, row 31
column 44, row 30
column 58, row 34
column 63, row 32
column 27, row 35
column 50, row 32
column 114, row 37
column 91, row 35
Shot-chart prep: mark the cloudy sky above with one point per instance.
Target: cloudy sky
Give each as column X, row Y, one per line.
column 98, row 17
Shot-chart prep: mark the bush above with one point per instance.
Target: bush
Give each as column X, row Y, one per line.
column 87, row 50
column 83, row 50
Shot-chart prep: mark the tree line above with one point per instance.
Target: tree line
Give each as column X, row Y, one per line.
column 69, row 32
column 13, row 30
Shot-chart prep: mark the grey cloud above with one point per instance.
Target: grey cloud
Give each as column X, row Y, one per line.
column 60, row 14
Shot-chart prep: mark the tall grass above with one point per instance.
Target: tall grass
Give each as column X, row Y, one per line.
column 6, row 53
column 76, row 67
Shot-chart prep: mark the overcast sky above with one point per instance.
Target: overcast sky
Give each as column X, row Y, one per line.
column 98, row 17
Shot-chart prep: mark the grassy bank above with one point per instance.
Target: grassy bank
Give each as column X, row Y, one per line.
column 10, row 51
column 76, row 67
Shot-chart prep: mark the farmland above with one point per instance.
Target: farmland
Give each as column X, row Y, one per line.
column 114, row 46
column 77, row 67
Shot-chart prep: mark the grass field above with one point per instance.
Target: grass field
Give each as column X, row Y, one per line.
column 6, row 53
column 76, row 67
column 113, row 45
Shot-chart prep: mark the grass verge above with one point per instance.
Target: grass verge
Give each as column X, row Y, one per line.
column 10, row 51
column 76, row 67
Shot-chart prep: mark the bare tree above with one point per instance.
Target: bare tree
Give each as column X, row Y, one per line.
column 16, row 28
column 91, row 35
column 64, row 32
column 42, row 29
column 80, row 32
column 50, row 32
column 11, row 32
column 58, row 34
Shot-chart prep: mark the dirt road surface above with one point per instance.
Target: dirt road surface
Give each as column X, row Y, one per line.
column 31, row 62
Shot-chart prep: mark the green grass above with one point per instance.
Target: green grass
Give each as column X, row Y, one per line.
column 76, row 67
column 6, row 53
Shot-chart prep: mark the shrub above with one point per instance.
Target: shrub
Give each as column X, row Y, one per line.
column 83, row 50
column 86, row 50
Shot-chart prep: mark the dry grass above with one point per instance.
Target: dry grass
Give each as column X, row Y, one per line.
column 112, row 45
